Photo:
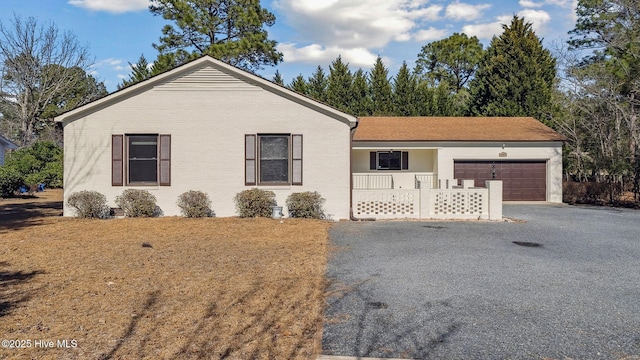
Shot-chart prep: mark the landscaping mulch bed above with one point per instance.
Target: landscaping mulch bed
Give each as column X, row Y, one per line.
column 165, row 288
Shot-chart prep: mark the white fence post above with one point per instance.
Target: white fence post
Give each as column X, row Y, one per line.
column 468, row 184
column 495, row 199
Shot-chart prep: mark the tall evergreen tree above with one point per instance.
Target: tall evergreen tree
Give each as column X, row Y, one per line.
column 277, row 78
column 360, row 95
column 140, row 71
column 299, row 85
column 516, row 76
column 381, row 94
column 230, row 30
column 318, row 85
column 339, row 85
column 404, row 92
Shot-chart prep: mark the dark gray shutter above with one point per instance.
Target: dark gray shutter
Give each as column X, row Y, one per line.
column 117, row 178
column 165, row 160
column 372, row 160
column 405, row 160
column 296, row 159
column 250, row 159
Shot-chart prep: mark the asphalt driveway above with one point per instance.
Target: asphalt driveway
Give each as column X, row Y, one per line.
column 464, row 290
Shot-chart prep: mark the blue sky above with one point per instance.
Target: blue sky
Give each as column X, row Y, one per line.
column 309, row 32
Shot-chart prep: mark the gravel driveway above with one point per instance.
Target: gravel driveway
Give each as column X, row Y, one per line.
column 464, row 290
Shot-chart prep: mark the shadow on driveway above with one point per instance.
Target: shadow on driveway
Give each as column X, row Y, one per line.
column 461, row 290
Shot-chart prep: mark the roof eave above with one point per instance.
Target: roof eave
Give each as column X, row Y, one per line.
column 254, row 79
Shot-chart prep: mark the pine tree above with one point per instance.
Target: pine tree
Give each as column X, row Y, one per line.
column 277, row 78
column 453, row 61
column 339, row 85
column 361, row 99
column 516, row 76
column 381, row 90
column 299, row 85
column 230, row 30
column 140, row 71
column 318, row 85
column 404, row 92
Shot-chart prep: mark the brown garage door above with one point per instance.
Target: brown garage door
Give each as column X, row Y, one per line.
column 520, row 180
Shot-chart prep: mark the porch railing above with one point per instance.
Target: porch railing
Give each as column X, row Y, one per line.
column 372, row 181
column 428, row 181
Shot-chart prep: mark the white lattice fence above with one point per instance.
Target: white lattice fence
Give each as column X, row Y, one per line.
column 386, row 204
column 457, row 203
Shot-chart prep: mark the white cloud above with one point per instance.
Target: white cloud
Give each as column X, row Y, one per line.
column 561, row 3
column 530, row 4
column 489, row 30
column 110, row 62
column 538, row 18
column 462, row 11
column 351, row 28
column 574, row 14
column 315, row 54
column 431, row 34
column 112, row 6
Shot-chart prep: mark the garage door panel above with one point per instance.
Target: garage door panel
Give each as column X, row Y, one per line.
column 521, row 180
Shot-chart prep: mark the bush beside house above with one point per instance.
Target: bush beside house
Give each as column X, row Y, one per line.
column 255, row 203
column 195, row 204
column 138, row 203
column 306, row 205
column 89, row 204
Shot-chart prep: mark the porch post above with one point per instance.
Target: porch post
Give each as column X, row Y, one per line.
column 495, row 199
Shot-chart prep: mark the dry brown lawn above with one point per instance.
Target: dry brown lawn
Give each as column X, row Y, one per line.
column 206, row 288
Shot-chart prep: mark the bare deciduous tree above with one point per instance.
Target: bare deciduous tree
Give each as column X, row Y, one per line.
column 38, row 64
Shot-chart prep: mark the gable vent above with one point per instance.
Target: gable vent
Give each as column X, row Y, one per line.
column 206, row 79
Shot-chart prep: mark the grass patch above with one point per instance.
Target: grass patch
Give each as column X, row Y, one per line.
column 160, row 288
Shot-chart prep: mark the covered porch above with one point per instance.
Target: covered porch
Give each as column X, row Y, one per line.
column 392, row 167
column 396, row 180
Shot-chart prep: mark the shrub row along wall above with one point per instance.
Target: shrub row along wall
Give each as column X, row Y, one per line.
column 141, row 203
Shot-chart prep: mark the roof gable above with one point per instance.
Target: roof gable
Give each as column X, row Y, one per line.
column 205, row 73
column 454, row 129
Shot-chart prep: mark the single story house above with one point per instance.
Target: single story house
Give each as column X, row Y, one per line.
column 403, row 152
column 211, row 127
column 5, row 146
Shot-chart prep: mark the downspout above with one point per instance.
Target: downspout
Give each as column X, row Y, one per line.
column 352, row 132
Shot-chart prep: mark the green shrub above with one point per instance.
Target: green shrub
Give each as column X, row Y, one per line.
column 195, row 204
column 255, row 203
column 138, row 203
column 10, row 181
column 40, row 163
column 306, row 205
column 89, row 204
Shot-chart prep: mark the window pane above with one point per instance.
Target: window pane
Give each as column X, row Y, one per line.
column 274, row 147
column 390, row 160
column 383, row 160
column 394, row 160
column 274, row 170
column 143, row 158
column 143, row 147
column 143, row 171
column 274, row 159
